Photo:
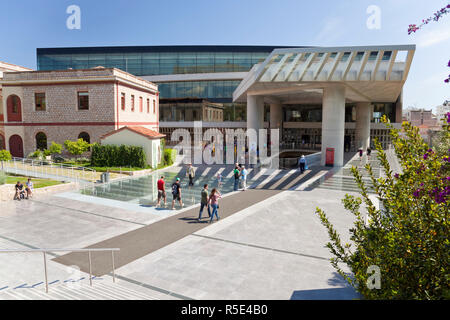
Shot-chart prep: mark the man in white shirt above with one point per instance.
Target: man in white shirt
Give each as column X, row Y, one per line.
column 244, row 173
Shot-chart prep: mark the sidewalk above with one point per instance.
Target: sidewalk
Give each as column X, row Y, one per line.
column 138, row 243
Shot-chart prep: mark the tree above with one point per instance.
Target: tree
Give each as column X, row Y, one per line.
column 76, row 147
column 55, row 148
column 5, row 155
column 437, row 15
column 409, row 239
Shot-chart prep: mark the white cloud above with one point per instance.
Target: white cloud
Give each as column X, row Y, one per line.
column 433, row 37
column 332, row 30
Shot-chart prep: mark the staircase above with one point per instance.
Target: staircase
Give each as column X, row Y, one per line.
column 343, row 179
column 101, row 290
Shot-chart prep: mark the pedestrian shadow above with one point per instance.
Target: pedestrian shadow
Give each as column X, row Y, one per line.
column 155, row 207
column 194, row 220
column 343, row 291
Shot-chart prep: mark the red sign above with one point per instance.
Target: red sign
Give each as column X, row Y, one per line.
column 329, row 160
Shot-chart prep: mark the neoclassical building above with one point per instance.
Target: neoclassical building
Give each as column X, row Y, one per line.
column 44, row 106
column 6, row 67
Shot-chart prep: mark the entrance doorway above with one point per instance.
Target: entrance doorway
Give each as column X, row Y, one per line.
column 16, row 146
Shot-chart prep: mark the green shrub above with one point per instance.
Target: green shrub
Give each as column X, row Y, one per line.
column 38, row 154
column 77, row 147
column 117, row 156
column 409, row 239
column 55, row 148
column 169, row 156
column 5, row 155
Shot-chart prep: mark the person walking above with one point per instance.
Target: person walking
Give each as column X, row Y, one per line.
column 369, row 151
column 360, row 154
column 214, row 200
column 244, row 173
column 237, row 174
column 29, row 189
column 302, row 162
column 191, row 173
column 219, row 180
column 161, row 191
column 176, row 193
column 204, row 202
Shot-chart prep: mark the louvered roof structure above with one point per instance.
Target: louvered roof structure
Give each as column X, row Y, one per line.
column 369, row 73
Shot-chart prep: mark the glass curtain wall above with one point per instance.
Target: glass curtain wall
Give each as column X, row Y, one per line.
column 198, row 89
column 155, row 63
column 313, row 113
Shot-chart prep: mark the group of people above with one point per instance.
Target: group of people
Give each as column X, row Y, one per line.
column 207, row 200
column 361, row 152
column 210, row 201
column 21, row 191
column 176, row 192
column 240, row 175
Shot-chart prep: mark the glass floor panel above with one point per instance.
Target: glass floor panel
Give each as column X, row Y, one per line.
column 143, row 190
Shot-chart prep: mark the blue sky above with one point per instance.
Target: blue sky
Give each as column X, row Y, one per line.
column 28, row 25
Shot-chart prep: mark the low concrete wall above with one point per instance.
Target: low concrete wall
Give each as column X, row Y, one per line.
column 7, row 190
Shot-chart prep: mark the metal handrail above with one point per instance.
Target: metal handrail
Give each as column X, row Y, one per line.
column 45, row 251
column 50, row 170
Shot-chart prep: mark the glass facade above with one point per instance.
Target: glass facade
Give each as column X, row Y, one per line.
column 302, row 113
column 167, row 60
column 198, row 89
column 313, row 113
column 380, row 109
column 151, row 62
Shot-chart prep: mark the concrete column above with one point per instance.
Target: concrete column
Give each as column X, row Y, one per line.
column 276, row 115
column 255, row 121
column 399, row 108
column 362, row 135
column 333, row 123
column 255, row 112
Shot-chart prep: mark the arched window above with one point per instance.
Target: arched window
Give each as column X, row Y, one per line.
column 41, row 141
column 85, row 136
column 14, row 108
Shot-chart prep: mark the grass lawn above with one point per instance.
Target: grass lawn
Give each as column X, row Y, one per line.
column 37, row 183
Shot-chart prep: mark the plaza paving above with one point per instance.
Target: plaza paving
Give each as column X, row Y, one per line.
column 269, row 244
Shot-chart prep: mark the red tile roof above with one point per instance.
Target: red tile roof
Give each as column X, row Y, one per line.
column 150, row 134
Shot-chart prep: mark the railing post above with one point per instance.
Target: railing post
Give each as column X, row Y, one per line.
column 113, row 268
column 90, row 268
column 45, row 270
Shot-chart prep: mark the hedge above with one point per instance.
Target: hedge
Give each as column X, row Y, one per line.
column 169, row 156
column 117, row 156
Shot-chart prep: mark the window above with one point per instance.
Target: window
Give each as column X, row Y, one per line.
column 41, row 141
column 140, row 104
column 83, row 100
column 13, row 107
column 39, row 101
column 154, row 106
column 148, row 105
column 85, row 136
column 122, row 100
column 132, row 102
